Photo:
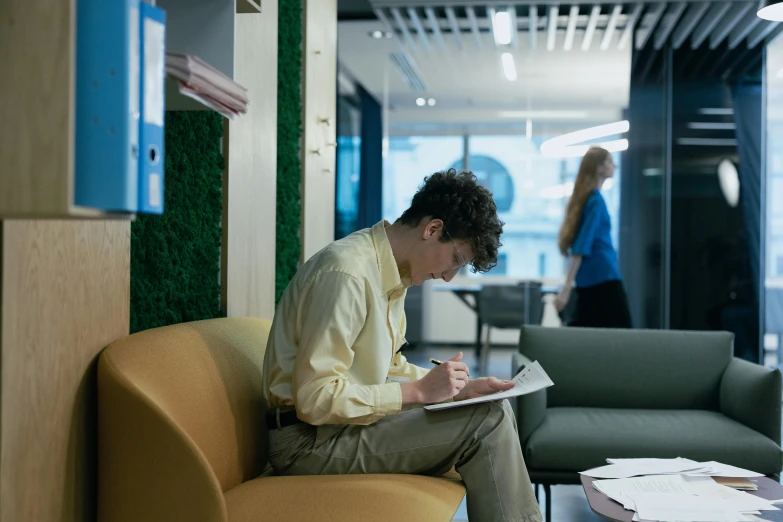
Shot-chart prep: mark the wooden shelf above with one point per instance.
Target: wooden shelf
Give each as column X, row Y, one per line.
column 248, row 6
column 37, row 149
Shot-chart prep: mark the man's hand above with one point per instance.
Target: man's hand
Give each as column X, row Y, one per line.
column 441, row 383
column 483, row 386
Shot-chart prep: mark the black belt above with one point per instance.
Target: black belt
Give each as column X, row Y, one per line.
column 276, row 419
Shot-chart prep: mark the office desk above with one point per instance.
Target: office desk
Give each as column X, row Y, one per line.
column 609, row 509
column 463, row 291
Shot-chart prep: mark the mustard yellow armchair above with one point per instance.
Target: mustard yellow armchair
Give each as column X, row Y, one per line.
column 182, row 437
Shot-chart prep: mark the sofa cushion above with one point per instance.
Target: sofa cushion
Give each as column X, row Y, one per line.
column 577, row 439
column 345, row 498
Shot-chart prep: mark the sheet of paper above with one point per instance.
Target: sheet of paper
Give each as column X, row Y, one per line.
column 708, row 489
column 719, row 469
column 676, row 507
column 532, row 378
column 621, row 490
column 624, row 468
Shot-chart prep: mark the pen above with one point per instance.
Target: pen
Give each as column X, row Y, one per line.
column 435, row 361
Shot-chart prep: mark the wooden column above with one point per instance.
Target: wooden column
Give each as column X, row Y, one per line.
column 250, row 196
column 64, row 284
column 65, row 291
column 319, row 113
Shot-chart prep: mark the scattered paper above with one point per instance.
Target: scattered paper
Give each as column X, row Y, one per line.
column 681, row 498
column 624, row 468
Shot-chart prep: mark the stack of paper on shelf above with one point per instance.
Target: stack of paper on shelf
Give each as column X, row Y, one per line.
column 680, row 490
column 202, row 82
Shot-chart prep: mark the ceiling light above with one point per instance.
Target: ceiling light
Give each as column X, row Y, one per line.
column 509, row 69
column 729, row 182
column 576, row 151
column 501, row 28
column 566, row 146
column 377, row 34
column 771, row 10
column 716, row 111
column 421, row 102
column 431, row 102
column 529, row 129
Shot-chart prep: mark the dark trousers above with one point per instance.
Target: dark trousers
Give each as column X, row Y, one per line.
column 604, row 305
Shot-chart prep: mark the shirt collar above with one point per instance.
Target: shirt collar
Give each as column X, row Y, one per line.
column 390, row 274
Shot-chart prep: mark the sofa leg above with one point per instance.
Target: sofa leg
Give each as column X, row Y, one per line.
column 548, row 508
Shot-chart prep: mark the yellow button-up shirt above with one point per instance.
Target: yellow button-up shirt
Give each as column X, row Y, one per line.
column 336, row 333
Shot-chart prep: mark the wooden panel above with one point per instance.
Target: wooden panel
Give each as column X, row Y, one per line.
column 65, row 296
column 37, row 39
column 252, row 170
column 318, row 164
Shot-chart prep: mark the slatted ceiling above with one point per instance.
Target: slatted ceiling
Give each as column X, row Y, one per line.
column 423, row 25
column 708, row 24
column 729, row 22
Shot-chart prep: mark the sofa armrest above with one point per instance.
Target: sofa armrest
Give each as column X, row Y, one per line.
column 751, row 394
column 529, row 409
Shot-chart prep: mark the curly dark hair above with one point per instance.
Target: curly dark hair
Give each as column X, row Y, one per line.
column 467, row 210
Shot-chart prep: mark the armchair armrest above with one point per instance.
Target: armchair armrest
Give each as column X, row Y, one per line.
column 530, row 409
column 751, row 394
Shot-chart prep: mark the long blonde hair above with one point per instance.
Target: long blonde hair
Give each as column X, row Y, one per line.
column 586, row 182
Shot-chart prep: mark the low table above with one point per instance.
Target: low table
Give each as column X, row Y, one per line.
column 609, row 509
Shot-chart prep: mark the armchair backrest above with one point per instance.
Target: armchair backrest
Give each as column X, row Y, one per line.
column 616, row 368
column 180, row 419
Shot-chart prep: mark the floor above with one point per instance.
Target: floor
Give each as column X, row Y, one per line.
column 569, row 503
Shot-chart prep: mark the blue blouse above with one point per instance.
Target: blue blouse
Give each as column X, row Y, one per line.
column 594, row 243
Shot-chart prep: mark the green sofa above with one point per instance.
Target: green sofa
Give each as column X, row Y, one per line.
column 644, row 393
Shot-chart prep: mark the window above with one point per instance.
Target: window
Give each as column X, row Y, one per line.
column 347, row 174
column 773, row 338
column 531, row 192
column 410, row 159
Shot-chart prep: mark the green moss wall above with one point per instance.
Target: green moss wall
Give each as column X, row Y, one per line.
column 289, row 134
column 175, row 257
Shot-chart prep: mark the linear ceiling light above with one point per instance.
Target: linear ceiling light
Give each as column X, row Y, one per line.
column 501, row 28
column 575, row 151
column 571, row 144
column 509, row 69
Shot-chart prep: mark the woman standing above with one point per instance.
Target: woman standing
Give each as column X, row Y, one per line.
column 585, row 236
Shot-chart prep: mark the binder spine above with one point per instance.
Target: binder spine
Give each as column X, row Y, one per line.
column 152, row 121
column 107, row 104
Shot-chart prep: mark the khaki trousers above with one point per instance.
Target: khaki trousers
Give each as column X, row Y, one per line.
column 479, row 440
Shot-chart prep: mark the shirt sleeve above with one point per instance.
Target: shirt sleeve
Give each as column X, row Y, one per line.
column 415, row 372
column 583, row 243
column 331, row 314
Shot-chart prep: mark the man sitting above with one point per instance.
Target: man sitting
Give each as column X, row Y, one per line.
column 342, row 398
